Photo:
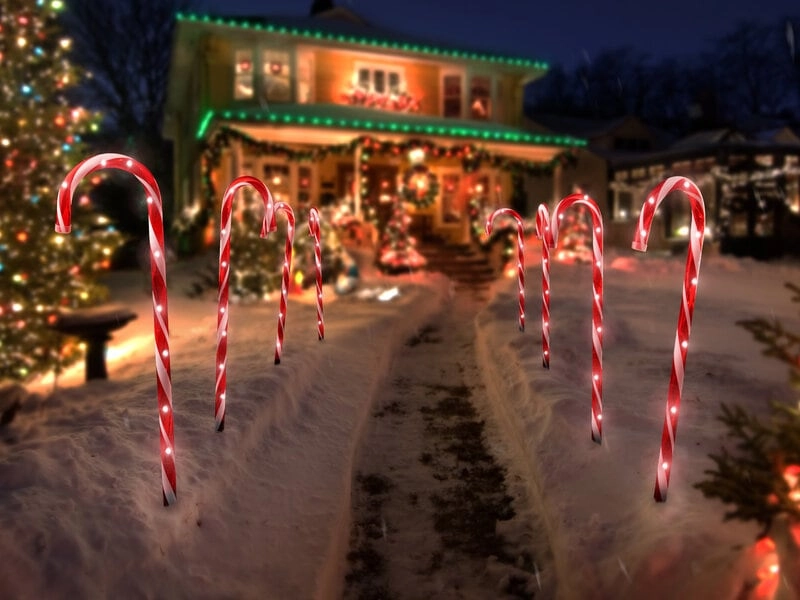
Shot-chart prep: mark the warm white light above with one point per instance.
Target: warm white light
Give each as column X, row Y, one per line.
column 643, row 231
column 222, row 309
column 168, row 451
column 221, row 366
column 165, row 353
column 694, row 280
column 599, row 330
column 128, row 163
column 159, row 308
column 165, row 409
column 149, row 199
column 596, row 377
column 673, row 410
column 224, row 263
column 600, row 417
column 665, row 465
column 684, row 344
column 651, row 200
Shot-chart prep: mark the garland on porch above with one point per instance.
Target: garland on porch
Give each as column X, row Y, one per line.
column 196, row 218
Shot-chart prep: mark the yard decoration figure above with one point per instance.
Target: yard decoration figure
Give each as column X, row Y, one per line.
column 315, row 231
column 697, row 230
column 287, row 266
column 158, row 272
column 225, row 220
column 520, row 255
column 544, row 233
column 597, row 299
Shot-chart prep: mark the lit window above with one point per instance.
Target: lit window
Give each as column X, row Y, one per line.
column 276, row 76
column 243, row 78
column 480, row 98
column 452, row 96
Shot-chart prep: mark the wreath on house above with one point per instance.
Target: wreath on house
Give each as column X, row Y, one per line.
column 420, row 186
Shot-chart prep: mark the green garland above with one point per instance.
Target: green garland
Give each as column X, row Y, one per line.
column 411, row 194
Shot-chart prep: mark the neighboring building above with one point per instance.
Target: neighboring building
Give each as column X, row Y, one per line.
column 329, row 109
column 749, row 182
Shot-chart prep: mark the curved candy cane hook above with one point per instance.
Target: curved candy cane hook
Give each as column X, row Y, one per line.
column 544, row 233
column 520, row 255
column 287, row 266
column 158, row 271
column 697, row 230
column 597, row 300
column 224, row 275
column 315, row 231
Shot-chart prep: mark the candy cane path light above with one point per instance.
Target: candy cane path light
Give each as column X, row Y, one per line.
column 544, row 233
column 287, row 265
column 315, row 232
column 158, row 271
column 520, row 255
column 225, row 220
column 697, row 229
column 597, row 299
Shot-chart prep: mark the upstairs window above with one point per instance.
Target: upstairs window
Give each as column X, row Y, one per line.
column 480, row 97
column 451, row 93
column 276, row 76
column 379, row 80
column 243, row 75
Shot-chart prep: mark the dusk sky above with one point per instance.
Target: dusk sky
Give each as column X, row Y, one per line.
column 564, row 31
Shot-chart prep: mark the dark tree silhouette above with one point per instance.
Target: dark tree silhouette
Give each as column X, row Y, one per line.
column 319, row 6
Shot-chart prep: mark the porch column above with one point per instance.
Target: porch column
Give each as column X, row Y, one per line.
column 357, row 182
column 237, row 159
column 558, row 183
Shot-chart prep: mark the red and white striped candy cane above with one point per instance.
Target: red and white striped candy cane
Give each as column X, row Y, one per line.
column 597, row 300
column 315, row 231
column 696, row 232
column 287, row 266
column 158, row 270
column 224, row 281
column 544, row 233
column 520, row 255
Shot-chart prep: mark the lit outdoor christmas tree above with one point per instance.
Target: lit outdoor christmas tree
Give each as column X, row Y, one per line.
column 398, row 252
column 41, row 271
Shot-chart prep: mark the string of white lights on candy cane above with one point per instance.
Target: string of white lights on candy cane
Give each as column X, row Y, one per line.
column 287, row 265
column 315, row 231
column 597, row 300
column 545, row 235
column 158, row 271
column 225, row 220
column 696, row 233
column 520, row 255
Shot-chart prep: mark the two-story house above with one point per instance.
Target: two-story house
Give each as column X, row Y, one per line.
column 330, row 109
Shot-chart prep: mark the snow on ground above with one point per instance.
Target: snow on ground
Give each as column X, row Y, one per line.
column 609, row 538
column 263, row 507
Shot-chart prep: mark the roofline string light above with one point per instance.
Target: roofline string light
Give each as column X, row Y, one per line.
column 275, row 117
column 316, row 34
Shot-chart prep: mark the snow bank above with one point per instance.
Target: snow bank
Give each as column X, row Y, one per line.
column 263, row 507
column 609, row 538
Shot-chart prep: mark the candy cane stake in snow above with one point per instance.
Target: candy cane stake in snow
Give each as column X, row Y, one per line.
column 287, row 266
column 520, row 255
column 544, row 233
column 696, row 232
column 268, row 225
column 315, row 232
column 158, row 271
column 597, row 300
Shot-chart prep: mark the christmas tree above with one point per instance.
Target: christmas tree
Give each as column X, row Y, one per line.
column 397, row 252
column 575, row 236
column 41, row 271
column 760, row 477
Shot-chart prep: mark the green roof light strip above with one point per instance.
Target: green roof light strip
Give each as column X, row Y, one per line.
column 365, row 41
column 463, row 132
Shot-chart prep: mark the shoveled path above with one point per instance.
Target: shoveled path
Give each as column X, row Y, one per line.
column 436, row 513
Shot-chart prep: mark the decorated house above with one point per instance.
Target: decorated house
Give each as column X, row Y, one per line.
column 330, row 111
column 749, row 177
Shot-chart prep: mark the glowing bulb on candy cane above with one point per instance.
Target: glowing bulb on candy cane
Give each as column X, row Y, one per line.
column 315, row 232
column 597, row 299
column 287, row 265
column 520, row 255
column 158, row 271
column 268, row 225
column 544, row 233
column 670, row 429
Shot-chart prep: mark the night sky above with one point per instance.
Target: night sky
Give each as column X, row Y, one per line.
column 557, row 31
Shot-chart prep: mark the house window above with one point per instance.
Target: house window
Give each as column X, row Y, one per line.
column 305, row 79
column 277, row 177
column 623, row 205
column 276, row 76
column 451, row 94
column 480, row 97
column 243, row 75
column 380, row 80
column 452, row 203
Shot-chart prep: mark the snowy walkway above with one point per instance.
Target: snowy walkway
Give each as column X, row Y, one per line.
column 436, row 514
